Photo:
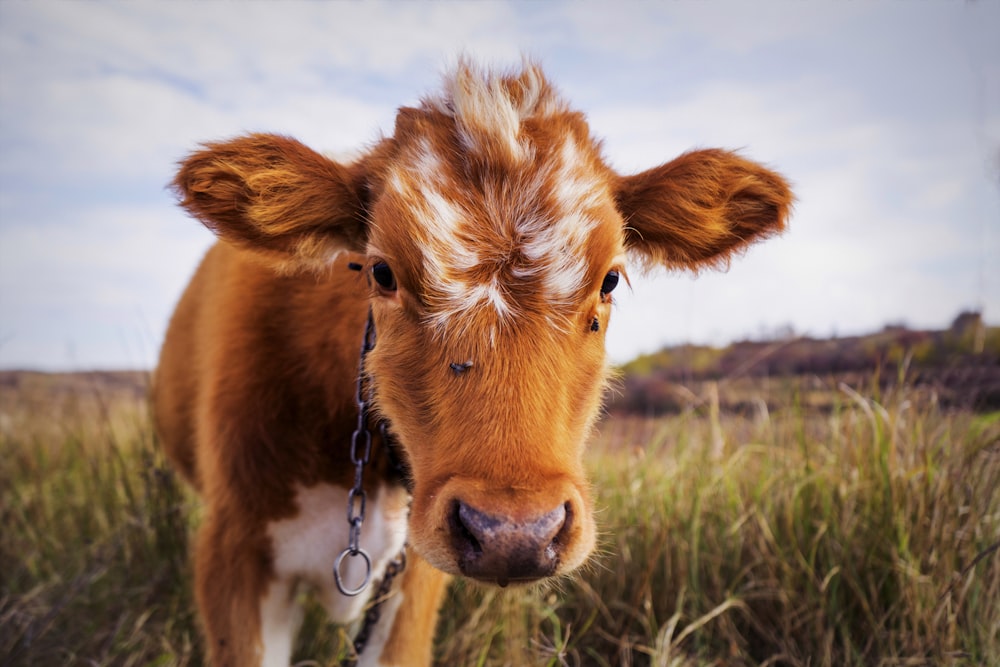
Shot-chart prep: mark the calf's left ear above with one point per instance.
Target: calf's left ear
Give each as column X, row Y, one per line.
column 699, row 209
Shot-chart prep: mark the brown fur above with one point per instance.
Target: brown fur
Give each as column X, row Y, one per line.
column 423, row 588
column 254, row 388
column 700, row 208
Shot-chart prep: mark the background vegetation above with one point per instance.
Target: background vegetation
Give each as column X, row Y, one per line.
column 846, row 518
column 957, row 367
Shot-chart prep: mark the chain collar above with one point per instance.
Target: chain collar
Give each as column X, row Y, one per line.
column 361, row 447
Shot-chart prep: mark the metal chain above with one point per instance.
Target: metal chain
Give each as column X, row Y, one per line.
column 374, row 613
column 361, row 448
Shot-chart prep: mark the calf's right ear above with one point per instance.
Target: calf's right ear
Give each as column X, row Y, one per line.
column 294, row 208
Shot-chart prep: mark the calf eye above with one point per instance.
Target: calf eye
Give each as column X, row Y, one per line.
column 610, row 282
column 383, row 276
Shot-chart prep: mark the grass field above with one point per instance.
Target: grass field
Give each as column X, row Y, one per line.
column 865, row 534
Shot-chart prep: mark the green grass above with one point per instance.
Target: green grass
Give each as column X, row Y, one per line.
column 866, row 535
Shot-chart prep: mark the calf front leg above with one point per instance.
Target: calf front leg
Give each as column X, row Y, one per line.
column 233, row 575
column 405, row 634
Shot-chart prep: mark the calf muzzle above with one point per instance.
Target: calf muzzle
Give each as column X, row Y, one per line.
column 501, row 549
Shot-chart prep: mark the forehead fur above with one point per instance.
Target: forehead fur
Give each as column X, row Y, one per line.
column 498, row 200
column 489, row 108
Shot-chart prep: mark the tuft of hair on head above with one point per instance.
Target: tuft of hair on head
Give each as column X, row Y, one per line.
column 489, row 106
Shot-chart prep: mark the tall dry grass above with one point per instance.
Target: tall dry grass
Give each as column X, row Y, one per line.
column 93, row 549
column 866, row 535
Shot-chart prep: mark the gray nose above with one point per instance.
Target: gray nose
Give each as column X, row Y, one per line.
column 497, row 548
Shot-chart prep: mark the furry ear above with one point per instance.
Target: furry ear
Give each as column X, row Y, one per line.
column 700, row 209
column 270, row 194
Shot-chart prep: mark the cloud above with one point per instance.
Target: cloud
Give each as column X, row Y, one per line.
column 263, row 42
column 105, row 91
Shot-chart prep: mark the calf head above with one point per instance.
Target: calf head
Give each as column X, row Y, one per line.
column 495, row 234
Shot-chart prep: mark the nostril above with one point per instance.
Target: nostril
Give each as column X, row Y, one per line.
column 547, row 529
column 459, row 525
column 561, row 537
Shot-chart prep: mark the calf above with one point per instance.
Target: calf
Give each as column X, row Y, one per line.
column 488, row 234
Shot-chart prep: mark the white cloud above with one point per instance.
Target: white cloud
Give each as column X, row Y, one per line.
column 290, row 41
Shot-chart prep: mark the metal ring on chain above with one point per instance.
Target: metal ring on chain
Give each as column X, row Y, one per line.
column 339, row 579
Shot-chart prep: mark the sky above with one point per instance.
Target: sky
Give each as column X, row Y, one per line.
column 885, row 117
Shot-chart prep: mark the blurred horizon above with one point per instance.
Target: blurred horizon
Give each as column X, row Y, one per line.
column 779, row 334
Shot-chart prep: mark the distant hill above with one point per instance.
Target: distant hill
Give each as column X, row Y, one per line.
column 961, row 364
column 110, row 384
column 28, row 394
column 958, row 366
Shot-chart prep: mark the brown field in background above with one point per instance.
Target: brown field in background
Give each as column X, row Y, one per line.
column 748, row 516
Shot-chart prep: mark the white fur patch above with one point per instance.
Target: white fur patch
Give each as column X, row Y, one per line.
column 280, row 618
column 559, row 249
column 577, row 189
column 446, row 255
column 305, row 548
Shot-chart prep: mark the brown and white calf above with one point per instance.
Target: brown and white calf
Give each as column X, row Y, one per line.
column 490, row 230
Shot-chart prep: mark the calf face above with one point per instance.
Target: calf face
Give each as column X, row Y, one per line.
column 495, row 234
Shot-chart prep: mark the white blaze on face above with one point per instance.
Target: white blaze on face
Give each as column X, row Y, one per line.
column 543, row 216
column 448, row 256
column 559, row 252
column 576, row 187
column 559, row 246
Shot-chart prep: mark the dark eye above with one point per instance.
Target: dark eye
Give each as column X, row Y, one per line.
column 610, row 282
column 383, row 276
